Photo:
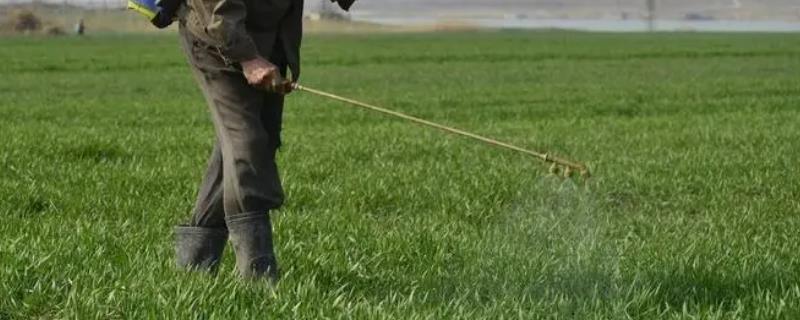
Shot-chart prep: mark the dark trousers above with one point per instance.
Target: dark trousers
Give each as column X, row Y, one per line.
column 242, row 176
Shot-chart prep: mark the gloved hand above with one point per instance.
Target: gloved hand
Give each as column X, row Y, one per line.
column 160, row 12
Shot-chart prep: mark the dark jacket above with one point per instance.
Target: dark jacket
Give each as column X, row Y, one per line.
column 244, row 29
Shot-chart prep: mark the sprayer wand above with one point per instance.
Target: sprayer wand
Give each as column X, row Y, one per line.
column 569, row 166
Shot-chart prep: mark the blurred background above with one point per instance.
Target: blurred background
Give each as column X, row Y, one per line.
column 62, row 16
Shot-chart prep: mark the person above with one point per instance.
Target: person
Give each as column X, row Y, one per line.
column 241, row 54
column 80, row 27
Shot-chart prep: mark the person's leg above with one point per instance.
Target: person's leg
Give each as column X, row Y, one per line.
column 249, row 224
column 200, row 243
column 250, row 186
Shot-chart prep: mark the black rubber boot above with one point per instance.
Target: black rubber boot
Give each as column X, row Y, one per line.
column 251, row 237
column 198, row 248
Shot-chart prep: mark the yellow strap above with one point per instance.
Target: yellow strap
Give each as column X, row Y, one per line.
column 132, row 5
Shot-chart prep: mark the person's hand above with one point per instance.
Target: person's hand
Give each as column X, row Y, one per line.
column 260, row 73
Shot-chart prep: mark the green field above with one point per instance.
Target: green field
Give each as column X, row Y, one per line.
column 693, row 211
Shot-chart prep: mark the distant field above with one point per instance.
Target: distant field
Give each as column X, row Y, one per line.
column 693, row 212
column 788, row 10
